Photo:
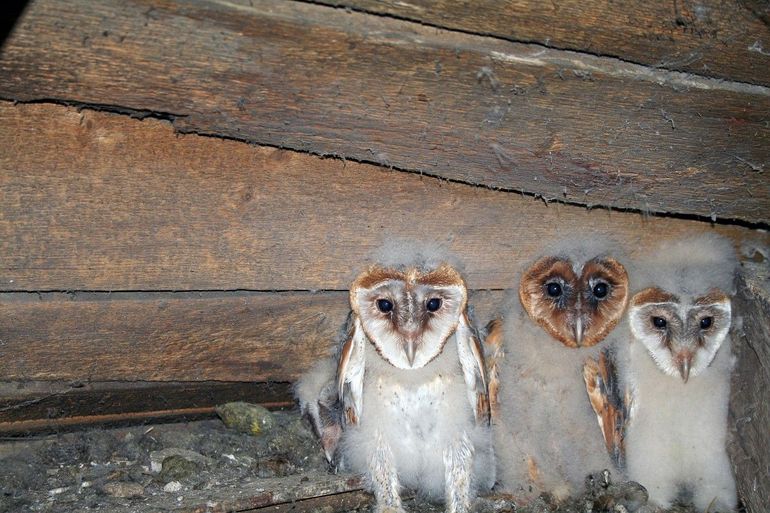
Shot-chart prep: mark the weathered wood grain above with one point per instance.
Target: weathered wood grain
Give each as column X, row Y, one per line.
column 262, row 337
column 749, row 406
column 312, row 491
column 95, row 201
column 53, row 406
column 560, row 125
column 234, row 337
column 729, row 40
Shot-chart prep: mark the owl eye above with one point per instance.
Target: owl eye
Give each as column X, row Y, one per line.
column 553, row 289
column 384, row 305
column 706, row 323
column 659, row 322
column 433, row 304
column 600, row 290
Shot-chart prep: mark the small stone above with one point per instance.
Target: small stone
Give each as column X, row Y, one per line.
column 176, row 467
column 123, row 489
column 157, row 457
column 246, row 418
column 275, row 466
column 173, row 486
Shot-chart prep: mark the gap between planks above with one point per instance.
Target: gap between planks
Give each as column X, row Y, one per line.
column 644, row 71
column 142, row 114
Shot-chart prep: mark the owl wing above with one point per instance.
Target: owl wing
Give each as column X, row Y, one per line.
column 494, row 353
column 472, row 363
column 609, row 402
column 317, row 395
column 350, row 373
column 329, row 421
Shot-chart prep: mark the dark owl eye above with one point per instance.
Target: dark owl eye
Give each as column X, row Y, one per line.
column 384, row 305
column 706, row 323
column 433, row 304
column 553, row 289
column 659, row 322
column 600, row 290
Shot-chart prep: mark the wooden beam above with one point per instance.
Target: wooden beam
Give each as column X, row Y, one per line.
column 160, row 337
column 262, row 337
column 566, row 127
column 98, row 201
column 308, row 491
column 749, row 407
column 728, row 40
column 55, row 406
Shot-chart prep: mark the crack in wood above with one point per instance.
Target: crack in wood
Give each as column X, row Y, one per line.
column 500, row 154
column 667, row 66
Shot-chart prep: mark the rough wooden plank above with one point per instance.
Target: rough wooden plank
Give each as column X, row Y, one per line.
column 246, row 496
column 564, row 126
column 729, row 40
column 308, row 491
column 749, row 406
column 247, row 337
column 46, row 406
column 263, row 337
column 258, row 496
column 96, row 201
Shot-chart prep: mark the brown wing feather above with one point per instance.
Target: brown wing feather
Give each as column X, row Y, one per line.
column 493, row 349
column 483, row 411
column 609, row 404
column 350, row 373
column 474, row 372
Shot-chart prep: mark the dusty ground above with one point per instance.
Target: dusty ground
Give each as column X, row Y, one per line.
column 205, row 466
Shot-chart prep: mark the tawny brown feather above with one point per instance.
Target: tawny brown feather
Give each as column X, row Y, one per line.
column 611, row 407
column 493, row 348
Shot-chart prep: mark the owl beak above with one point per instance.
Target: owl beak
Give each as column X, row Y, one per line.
column 685, row 360
column 410, row 350
column 411, row 334
column 578, row 331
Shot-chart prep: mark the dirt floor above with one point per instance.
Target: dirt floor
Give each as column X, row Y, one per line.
column 205, row 466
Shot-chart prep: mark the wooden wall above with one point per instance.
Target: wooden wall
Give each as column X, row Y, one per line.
column 188, row 188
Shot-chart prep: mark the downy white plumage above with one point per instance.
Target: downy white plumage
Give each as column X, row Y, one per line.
column 546, row 434
column 411, row 388
column 677, row 369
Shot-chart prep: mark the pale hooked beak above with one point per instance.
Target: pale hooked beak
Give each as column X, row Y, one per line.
column 578, row 331
column 410, row 350
column 684, row 363
column 411, row 339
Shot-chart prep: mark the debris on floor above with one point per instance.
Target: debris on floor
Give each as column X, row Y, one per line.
column 267, row 459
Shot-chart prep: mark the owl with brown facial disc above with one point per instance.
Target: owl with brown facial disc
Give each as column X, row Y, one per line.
column 411, row 387
column 676, row 363
column 568, row 302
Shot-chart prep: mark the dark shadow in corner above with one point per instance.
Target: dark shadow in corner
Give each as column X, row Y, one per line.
column 11, row 12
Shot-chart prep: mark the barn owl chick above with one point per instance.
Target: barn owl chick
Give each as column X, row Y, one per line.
column 546, row 438
column 677, row 367
column 412, row 388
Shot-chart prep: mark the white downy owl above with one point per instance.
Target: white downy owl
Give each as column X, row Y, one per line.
column 412, row 390
column 546, row 437
column 676, row 367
